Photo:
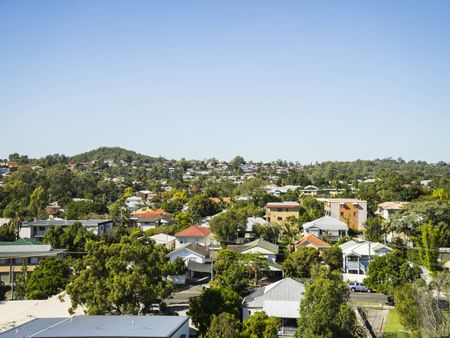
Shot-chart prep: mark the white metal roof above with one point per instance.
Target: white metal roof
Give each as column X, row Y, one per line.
column 326, row 223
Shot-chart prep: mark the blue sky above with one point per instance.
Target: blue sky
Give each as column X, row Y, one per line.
column 297, row 80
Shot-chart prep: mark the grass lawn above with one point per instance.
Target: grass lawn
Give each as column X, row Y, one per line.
column 394, row 329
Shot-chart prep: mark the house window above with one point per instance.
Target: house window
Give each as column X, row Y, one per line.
column 352, row 259
column 342, row 213
column 280, row 209
column 4, row 261
column 34, row 260
column 18, row 261
column 280, row 218
column 41, row 228
column 356, row 272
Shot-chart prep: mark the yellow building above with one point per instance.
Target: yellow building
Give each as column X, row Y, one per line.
column 279, row 212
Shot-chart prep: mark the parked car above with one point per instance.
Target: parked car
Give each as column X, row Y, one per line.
column 358, row 287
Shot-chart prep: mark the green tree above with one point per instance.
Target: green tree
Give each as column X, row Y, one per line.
column 428, row 243
column 324, row 309
column 229, row 272
column 213, row 301
column 224, row 325
column 118, row 212
column 421, row 310
column 7, row 233
column 225, row 225
column 17, row 214
column 73, row 238
column 38, row 201
column 261, row 325
column 310, row 209
column 289, row 232
column 201, row 206
column 300, row 262
column 407, row 307
column 390, row 271
column 48, row 279
column 374, row 229
column 21, row 282
column 333, row 257
column 128, row 277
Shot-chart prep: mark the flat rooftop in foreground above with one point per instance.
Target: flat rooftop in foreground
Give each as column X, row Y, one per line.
column 99, row 326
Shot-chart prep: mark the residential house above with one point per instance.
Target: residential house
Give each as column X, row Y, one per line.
column 312, row 241
column 164, row 239
column 357, row 256
column 280, row 299
column 29, row 251
column 194, row 234
column 150, row 222
column 258, row 246
column 248, row 232
column 311, row 190
column 103, row 326
column 146, row 195
column 388, row 209
column 196, row 258
column 349, row 210
column 279, row 212
column 134, row 202
column 37, row 229
column 326, row 227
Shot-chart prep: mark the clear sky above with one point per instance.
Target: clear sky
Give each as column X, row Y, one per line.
column 297, row 80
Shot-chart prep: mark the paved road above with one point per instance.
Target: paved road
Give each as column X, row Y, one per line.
column 368, row 297
column 182, row 297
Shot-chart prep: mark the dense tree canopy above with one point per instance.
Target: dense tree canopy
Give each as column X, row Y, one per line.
column 128, row 277
column 324, row 309
column 48, row 279
column 213, row 301
column 390, row 271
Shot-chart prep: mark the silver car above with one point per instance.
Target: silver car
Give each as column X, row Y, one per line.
column 358, row 287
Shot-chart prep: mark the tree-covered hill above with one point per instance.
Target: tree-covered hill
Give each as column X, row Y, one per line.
column 111, row 153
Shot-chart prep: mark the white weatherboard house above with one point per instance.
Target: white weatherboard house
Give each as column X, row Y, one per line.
column 280, row 299
column 258, row 246
column 164, row 239
column 196, row 258
column 356, row 256
column 326, row 227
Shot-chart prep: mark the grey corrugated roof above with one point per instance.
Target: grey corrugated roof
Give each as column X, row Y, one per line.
column 198, row 267
column 286, row 289
column 326, row 223
column 99, row 326
column 256, row 243
column 193, row 247
column 29, row 328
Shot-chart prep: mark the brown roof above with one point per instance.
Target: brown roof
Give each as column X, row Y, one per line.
column 313, row 240
column 194, row 231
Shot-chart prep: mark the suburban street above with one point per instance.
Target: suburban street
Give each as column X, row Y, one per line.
column 368, row 297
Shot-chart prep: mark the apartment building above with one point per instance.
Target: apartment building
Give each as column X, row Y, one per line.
column 279, row 212
column 349, row 210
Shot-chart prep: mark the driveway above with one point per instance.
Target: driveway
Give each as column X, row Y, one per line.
column 181, row 298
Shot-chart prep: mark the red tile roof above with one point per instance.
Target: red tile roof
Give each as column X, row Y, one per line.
column 313, row 240
column 194, row 231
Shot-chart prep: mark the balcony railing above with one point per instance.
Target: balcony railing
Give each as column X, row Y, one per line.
column 355, row 266
column 287, row 331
